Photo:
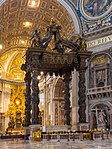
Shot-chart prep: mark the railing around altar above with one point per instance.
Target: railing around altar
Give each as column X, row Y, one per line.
column 76, row 135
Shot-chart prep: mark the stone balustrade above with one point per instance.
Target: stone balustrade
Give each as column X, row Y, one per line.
column 99, row 92
column 99, row 89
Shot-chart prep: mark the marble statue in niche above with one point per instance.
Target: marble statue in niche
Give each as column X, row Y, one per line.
column 100, row 77
column 102, row 117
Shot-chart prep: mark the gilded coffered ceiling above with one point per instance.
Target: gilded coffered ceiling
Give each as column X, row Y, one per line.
column 18, row 20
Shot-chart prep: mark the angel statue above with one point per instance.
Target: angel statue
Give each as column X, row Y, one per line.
column 35, row 40
column 80, row 41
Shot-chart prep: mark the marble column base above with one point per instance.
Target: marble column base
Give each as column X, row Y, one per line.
column 57, row 128
column 35, row 132
column 82, row 126
column 26, row 130
column 74, row 127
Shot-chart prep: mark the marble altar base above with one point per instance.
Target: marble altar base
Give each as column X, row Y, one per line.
column 35, row 132
column 82, row 126
column 57, row 128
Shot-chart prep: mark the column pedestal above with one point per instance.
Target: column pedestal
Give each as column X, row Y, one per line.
column 35, row 132
column 26, row 133
column 83, row 126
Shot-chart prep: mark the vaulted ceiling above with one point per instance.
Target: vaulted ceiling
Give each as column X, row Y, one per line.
column 18, row 20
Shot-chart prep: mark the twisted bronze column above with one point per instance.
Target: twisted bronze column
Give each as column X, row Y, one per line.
column 67, row 98
column 35, row 98
column 28, row 100
column 110, row 72
column 82, row 96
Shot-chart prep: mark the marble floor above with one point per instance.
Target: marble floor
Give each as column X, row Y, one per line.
column 77, row 144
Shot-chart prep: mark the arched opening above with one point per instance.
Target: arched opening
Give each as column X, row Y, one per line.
column 59, row 89
column 58, row 101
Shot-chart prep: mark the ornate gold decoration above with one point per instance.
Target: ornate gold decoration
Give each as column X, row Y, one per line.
column 4, row 57
column 16, row 107
column 1, row 46
column 14, row 71
column 17, row 12
column 27, row 24
column 34, row 3
column 100, row 60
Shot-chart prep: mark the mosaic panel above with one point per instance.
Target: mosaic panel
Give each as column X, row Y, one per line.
column 95, row 8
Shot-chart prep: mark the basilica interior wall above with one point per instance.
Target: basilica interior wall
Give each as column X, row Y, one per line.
column 75, row 17
column 99, row 93
column 5, row 92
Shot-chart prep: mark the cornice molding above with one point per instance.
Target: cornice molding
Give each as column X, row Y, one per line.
column 99, row 33
column 11, row 82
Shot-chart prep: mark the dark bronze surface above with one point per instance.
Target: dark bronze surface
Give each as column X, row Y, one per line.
column 60, row 62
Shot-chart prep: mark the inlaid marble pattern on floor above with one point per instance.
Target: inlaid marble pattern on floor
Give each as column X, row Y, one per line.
column 77, row 144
